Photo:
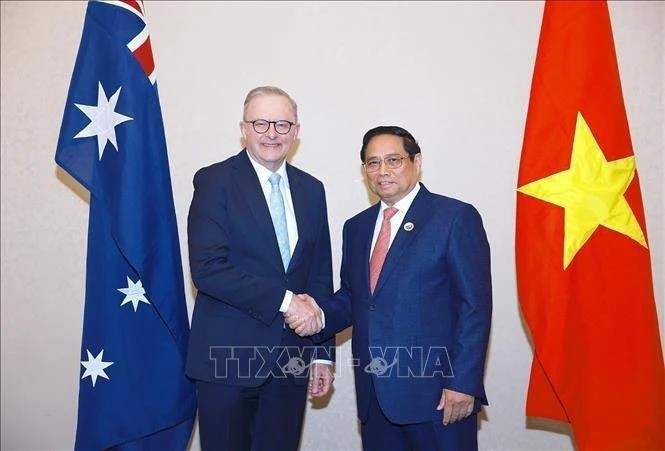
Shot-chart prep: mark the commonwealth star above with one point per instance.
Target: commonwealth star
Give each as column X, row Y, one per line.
column 103, row 119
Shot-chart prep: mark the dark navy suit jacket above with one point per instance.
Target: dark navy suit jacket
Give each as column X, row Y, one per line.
column 429, row 317
column 237, row 332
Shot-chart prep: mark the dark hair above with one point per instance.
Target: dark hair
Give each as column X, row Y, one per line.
column 408, row 141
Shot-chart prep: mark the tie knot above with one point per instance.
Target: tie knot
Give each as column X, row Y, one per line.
column 274, row 179
column 388, row 213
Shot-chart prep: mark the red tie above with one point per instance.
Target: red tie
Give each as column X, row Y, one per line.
column 380, row 248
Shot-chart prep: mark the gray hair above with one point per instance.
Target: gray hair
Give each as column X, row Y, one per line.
column 269, row 90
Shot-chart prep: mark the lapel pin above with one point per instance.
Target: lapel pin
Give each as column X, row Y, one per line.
column 408, row 226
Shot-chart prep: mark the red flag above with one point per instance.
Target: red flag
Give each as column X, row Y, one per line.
column 583, row 266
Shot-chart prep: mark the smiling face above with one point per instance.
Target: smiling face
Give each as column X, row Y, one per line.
column 391, row 185
column 269, row 149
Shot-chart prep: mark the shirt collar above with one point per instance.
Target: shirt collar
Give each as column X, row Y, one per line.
column 264, row 173
column 404, row 203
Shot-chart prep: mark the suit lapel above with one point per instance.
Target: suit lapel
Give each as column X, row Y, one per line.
column 367, row 227
column 250, row 187
column 301, row 211
column 416, row 215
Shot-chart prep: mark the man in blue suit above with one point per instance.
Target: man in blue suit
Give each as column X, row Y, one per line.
column 416, row 287
column 258, row 235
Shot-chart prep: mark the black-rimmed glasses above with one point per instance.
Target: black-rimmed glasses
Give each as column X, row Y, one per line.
column 391, row 162
column 262, row 126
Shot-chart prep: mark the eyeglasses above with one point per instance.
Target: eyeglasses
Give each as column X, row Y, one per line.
column 391, row 162
column 262, row 126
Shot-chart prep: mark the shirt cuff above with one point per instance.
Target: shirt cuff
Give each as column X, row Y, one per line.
column 286, row 302
column 327, row 362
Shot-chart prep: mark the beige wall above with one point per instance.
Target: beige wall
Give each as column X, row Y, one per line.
column 457, row 75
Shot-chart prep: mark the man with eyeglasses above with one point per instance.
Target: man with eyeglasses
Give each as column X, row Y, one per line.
column 258, row 237
column 416, row 287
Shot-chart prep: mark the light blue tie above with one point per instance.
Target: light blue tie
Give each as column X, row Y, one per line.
column 278, row 215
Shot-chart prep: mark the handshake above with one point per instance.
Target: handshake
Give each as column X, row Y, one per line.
column 304, row 316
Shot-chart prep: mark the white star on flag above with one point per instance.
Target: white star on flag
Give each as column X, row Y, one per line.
column 103, row 119
column 134, row 293
column 94, row 367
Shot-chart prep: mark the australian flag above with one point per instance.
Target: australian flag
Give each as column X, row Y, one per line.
column 133, row 393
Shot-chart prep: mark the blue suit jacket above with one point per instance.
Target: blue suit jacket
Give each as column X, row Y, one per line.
column 237, row 330
column 429, row 317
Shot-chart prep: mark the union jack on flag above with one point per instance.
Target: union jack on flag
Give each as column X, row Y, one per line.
column 133, row 393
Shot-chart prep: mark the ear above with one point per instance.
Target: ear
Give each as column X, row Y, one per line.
column 418, row 160
column 243, row 130
column 296, row 133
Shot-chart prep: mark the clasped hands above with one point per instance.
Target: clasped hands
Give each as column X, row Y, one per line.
column 303, row 315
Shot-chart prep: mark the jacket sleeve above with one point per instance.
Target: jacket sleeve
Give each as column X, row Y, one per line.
column 468, row 261
column 212, row 271
column 320, row 284
column 337, row 308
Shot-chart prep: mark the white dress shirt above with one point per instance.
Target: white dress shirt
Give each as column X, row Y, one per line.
column 402, row 206
column 264, row 174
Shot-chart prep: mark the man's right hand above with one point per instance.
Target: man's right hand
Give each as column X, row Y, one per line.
column 304, row 315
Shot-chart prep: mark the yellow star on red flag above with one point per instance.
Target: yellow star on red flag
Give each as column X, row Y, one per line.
column 591, row 192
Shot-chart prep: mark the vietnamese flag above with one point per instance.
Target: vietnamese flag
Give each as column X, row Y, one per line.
column 582, row 253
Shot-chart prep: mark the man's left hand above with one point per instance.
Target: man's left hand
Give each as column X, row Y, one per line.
column 456, row 406
column 320, row 379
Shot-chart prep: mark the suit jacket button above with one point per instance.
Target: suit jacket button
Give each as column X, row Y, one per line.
column 372, row 307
